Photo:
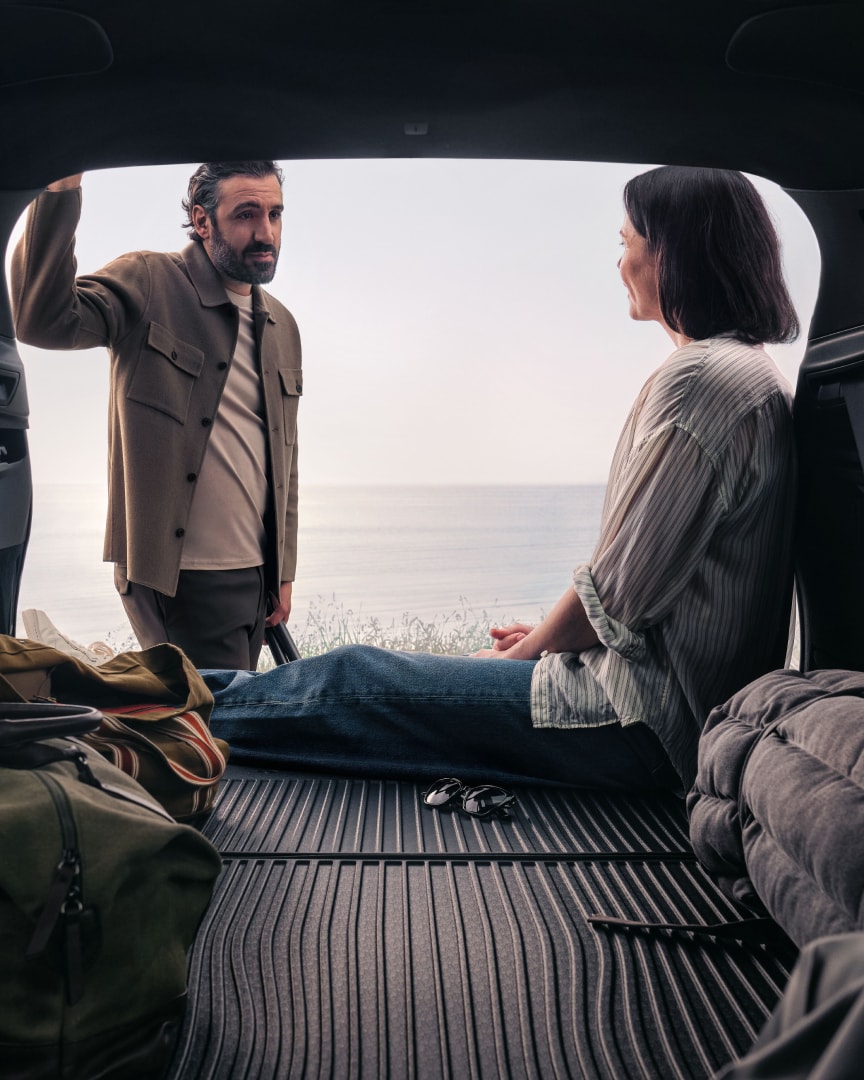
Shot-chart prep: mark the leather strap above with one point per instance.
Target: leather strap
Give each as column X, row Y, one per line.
column 754, row 930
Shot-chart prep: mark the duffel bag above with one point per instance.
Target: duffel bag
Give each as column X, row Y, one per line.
column 101, row 892
column 155, row 708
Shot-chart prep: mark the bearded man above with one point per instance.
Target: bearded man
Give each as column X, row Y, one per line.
column 205, row 381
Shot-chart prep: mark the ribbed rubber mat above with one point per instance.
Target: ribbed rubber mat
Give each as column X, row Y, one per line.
column 355, row 933
column 302, row 814
column 432, row 968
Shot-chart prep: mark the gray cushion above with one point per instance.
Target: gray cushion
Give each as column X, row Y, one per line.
column 777, row 810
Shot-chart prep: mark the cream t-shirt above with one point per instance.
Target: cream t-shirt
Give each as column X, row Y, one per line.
column 226, row 522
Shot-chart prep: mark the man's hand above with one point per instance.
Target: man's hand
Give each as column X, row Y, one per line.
column 282, row 610
column 67, row 184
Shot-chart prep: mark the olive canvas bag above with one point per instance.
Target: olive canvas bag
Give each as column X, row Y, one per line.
column 155, row 708
column 101, row 893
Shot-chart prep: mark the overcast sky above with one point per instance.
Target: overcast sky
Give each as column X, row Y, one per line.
column 462, row 322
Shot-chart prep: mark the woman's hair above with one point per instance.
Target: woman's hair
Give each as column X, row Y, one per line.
column 718, row 261
column 204, row 185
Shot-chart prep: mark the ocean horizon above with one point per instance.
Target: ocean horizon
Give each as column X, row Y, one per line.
column 373, row 551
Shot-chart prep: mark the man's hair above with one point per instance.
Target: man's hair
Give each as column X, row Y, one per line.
column 204, row 185
column 719, row 269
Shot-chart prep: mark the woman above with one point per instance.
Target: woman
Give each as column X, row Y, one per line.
column 687, row 595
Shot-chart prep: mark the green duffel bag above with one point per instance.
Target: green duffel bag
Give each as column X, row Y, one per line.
column 101, row 892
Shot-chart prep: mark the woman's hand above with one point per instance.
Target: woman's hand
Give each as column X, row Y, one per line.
column 505, row 637
column 565, row 629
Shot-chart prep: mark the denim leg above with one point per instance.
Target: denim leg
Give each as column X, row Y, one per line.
column 373, row 712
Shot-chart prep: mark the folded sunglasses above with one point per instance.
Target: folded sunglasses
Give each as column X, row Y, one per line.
column 478, row 800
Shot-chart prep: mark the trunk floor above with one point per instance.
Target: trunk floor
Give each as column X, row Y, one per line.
column 354, row 932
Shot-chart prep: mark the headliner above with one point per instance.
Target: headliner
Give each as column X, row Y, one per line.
column 771, row 88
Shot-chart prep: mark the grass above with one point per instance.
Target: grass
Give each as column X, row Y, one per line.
column 329, row 624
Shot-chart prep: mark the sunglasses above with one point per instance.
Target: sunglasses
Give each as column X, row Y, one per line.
column 478, row 800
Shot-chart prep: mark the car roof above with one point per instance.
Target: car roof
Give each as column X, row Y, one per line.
column 769, row 87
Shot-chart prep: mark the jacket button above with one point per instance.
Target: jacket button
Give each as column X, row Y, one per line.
column 173, row 354
column 179, row 532
column 222, row 365
column 206, row 421
column 299, row 388
column 191, row 477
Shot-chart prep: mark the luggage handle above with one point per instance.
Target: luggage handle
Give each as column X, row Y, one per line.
column 279, row 640
column 25, row 722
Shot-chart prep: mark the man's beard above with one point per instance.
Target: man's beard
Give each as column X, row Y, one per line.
column 233, row 266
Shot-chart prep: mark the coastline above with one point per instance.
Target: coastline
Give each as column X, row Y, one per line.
column 376, row 552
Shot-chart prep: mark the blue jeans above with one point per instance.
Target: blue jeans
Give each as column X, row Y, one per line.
column 371, row 712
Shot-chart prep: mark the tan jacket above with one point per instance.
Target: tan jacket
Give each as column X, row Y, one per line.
column 170, row 331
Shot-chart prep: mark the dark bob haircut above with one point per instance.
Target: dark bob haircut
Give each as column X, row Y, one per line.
column 204, row 185
column 719, row 269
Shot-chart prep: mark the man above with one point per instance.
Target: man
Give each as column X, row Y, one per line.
column 205, row 382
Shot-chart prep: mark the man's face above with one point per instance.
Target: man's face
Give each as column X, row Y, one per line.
column 244, row 236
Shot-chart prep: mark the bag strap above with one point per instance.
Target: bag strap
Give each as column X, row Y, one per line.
column 752, row 931
column 188, row 728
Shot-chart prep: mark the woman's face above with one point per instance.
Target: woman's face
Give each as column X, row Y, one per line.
column 639, row 273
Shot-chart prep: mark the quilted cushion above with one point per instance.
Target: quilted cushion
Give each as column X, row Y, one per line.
column 777, row 810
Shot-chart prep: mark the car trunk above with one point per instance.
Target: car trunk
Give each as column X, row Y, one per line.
column 357, row 932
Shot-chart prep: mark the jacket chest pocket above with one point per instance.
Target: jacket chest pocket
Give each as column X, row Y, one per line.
column 291, row 382
column 165, row 373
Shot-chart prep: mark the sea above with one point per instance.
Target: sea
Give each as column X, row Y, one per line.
column 382, row 553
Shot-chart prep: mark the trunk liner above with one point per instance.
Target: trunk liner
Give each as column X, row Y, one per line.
column 354, row 932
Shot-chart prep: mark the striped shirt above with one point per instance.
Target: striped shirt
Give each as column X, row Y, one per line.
column 690, row 586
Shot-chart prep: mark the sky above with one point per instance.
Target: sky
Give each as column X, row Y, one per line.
column 461, row 321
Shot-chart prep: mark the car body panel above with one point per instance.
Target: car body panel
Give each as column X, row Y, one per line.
column 768, row 86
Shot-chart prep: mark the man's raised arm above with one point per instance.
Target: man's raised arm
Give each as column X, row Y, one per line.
column 43, row 268
column 67, row 184
column 52, row 307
